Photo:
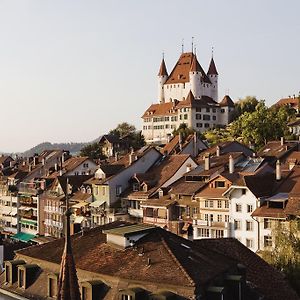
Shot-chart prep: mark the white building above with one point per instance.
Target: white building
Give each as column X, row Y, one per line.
column 188, row 95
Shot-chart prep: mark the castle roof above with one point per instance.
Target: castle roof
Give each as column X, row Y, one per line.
column 163, row 69
column 212, row 70
column 227, row 101
column 180, row 73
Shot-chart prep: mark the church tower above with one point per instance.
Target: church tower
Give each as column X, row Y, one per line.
column 162, row 78
column 213, row 76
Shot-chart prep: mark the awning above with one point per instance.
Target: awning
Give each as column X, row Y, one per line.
column 78, row 220
column 28, row 222
column 80, row 204
column 23, row 237
column 97, row 203
column 26, row 208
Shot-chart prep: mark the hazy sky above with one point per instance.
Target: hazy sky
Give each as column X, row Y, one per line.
column 72, row 70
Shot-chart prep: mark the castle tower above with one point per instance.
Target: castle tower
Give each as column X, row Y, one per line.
column 162, row 78
column 195, row 77
column 213, row 76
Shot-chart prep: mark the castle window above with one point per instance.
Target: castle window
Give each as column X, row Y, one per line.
column 222, row 110
column 206, row 117
column 199, row 125
column 206, row 125
column 214, row 110
column 185, row 117
column 214, row 118
column 207, row 109
column 198, row 109
column 198, row 117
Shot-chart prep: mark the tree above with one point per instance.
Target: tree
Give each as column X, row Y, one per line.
column 248, row 104
column 285, row 256
column 217, row 135
column 93, row 151
column 130, row 134
column 184, row 130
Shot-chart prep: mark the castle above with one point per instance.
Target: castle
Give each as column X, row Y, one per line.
column 188, row 95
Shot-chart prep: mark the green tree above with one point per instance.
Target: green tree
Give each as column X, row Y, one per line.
column 217, row 135
column 184, row 130
column 248, row 104
column 129, row 133
column 93, row 151
column 285, row 256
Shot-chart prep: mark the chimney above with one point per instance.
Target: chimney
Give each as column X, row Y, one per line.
column 168, row 138
column 282, row 141
column 29, row 168
column 116, row 156
column 131, row 157
column 195, row 144
column 278, row 171
column 35, row 160
column 60, row 172
column 207, row 162
column 180, row 141
column 43, row 161
column 55, row 167
column 11, row 163
column 188, row 168
column 218, row 151
column 231, row 164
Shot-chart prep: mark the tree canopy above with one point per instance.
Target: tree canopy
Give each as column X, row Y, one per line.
column 93, row 151
column 184, row 130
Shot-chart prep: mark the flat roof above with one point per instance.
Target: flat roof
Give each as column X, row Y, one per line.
column 129, row 230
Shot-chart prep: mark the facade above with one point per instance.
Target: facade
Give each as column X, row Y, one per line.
column 188, row 95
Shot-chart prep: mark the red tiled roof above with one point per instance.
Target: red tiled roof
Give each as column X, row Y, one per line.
column 212, row 70
column 162, row 69
column 227, row 101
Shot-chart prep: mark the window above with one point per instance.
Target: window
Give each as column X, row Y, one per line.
column 226, row 218
column 198, row 117
column 207, row 109
column 219, row 218
column 238, row 207
column 85, row 165
column 219, row 203
column 206, row 203
column 214, row 118
column 249, row 225
column 219, row 234
column 214, row 110
column 211, row 203
column 21, row 281
column 198, row 109
column 219, row 184
column 118, row 190
column 135, row 187
column 206, row 125
column 185, row 116
column 203, row 232
column 127, row 297
column 211, row 217
column 267, row 241
column 226, row 204
column 267, row 223
column 206, row 117
column 249, row 208
column 222, row 110
column 52, row 286
column 206, row 217
column 199, row 125
column 249, row 243
column 237, row 224
column 244, row 191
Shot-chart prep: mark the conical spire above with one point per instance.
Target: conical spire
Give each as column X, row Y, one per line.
column 190, row 97
column 163, row 69
column 68, row 288
column 212, row 70
column 195, row 66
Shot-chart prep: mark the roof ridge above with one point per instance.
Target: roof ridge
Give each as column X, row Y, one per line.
column 164, row 242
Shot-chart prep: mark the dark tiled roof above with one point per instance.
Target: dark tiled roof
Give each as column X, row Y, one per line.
column 227, row 101
column 277, row 150
column 162, row 69
column 212, row 70
column 266, row 279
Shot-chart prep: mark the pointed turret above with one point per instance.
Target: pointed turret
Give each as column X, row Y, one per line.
column 162, row 78
column 163, row 69
column 195, row 66
column 68, row 288
column 212, row 70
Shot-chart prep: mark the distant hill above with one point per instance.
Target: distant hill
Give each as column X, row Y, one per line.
column 74, row 148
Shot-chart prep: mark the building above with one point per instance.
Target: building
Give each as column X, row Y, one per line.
column 133, row 261
column 187, row 95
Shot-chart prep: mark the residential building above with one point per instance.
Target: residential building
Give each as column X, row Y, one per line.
column 112, row 145
column 156, row 264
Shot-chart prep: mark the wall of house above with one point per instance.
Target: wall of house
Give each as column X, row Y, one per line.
column 83, row 170
column 122, row 178
column 238, row 198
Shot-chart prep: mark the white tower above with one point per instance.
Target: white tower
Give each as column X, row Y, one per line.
column 213, row 76
column 162, row 78
column 195, row 78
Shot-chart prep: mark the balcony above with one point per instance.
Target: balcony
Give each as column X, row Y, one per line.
column 155, row 220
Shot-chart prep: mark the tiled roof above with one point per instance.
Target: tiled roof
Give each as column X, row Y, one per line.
column 181, row 71
column 162, row 69
column 276, row 149
column 227, row 101
column 182, row 263
column 212, row 70
column 268, row 281
column 226, row 147
column 183, row 187
column 293, row 102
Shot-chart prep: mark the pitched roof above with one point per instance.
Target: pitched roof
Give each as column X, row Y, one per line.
column 275, row 149
column 181, row 71
column 227, row 101
column 291, row 101
column 212, row 70
column 268, row 281
column 162, row 69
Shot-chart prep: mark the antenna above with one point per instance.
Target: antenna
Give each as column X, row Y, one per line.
column 195, row 49
column 163, row 55
column 182, row 46
column 212, row 51
column 192, row 44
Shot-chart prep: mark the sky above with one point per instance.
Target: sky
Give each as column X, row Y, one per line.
column 72, row 70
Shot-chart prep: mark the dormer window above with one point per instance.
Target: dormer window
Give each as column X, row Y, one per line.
column 135, row 187
column 219, row 184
